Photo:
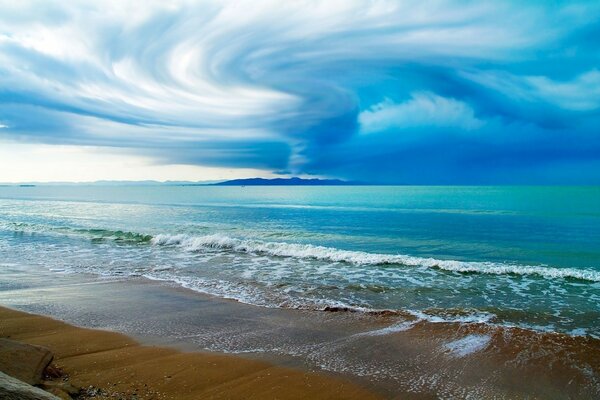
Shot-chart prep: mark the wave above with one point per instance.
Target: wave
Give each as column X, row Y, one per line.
column 117, row 236
column 254, row 296
column 311, row 252
column 330, row 254
column 95, row 234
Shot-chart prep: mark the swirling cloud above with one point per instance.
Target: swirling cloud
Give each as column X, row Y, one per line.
column 403, row 91
column 422, row 110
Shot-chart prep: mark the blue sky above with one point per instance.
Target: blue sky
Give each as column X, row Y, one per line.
column 437, row 92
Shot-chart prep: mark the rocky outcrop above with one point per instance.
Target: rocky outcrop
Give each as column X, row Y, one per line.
column 14, row 389
column 23, row 361
column 23, row 365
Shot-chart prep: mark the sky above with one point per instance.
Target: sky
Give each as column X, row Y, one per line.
column 382, row 91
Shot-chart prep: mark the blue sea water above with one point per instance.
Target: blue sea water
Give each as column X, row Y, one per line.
column 516, row 256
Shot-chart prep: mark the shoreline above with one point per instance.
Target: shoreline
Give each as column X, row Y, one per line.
column 117, row 364
column 383, row 354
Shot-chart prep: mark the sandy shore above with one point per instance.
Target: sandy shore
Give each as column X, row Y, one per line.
column 119, row 365
column 279, row 352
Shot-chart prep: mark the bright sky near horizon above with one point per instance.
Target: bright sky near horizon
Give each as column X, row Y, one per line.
column 440, row 92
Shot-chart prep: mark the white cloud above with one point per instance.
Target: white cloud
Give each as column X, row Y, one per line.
column 211, row 63
column 423, row 109
column 581, row 93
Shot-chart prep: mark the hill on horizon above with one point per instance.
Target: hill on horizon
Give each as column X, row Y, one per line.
column 287, row 182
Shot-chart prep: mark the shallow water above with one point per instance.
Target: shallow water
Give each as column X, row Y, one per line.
column 396, row 355
column 512, row 256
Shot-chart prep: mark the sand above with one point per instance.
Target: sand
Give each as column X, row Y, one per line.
column 118, row 365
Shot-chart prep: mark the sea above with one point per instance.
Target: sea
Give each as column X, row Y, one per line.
column 525, row 257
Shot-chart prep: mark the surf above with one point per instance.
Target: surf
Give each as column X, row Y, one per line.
column 335, row 255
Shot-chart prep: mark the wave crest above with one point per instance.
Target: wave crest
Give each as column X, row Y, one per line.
column 330, row 254
column 94, row 234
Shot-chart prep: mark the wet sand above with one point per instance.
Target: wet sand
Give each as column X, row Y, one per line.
column 391, row 355
column 117, row 364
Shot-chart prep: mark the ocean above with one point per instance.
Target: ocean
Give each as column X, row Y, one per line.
column 524, row 257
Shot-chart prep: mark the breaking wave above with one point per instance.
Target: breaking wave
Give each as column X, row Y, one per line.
column 330, row 254
column 94, row 234
column 309, row 252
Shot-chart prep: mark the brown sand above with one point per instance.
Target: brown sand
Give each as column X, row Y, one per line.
column 116, row 363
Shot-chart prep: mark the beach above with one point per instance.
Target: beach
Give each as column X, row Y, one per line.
column 116, row 365
column 251, row 347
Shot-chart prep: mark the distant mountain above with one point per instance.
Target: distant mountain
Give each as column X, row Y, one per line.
column 234, row 182
column 286, row 182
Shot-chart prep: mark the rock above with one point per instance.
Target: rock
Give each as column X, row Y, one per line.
column 13, row 389
column 23, row 361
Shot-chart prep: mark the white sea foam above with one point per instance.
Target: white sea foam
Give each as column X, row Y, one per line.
column 467, row 345
column 388, row 330
column 329, row 254
column 470, row 318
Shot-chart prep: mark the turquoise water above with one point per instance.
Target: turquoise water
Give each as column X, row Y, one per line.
column 524, row 256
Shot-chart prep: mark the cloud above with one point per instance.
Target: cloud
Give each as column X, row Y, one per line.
column 581, row 93
column 292, row 86
column 423, row 109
